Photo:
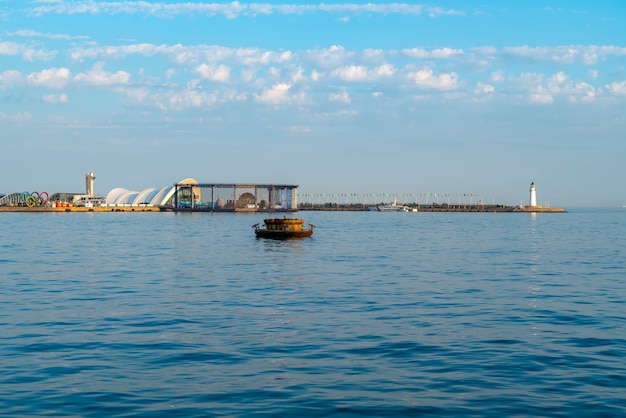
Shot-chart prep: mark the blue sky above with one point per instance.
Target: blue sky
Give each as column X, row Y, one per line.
column 358, row 97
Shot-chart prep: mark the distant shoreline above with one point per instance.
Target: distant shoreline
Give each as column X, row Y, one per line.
column 433, row 208
column 328, row 207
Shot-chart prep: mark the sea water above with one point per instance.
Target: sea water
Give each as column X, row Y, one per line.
column 378, row 314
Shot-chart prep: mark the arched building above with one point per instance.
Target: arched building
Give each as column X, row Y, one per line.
column 188, row 195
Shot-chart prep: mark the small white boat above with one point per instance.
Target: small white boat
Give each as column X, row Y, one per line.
column 390, row 207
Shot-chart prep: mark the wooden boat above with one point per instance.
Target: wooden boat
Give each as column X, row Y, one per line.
column 283, row 228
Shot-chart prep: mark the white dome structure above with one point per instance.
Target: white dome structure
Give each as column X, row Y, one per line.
column 114, row 195
column 147, row 197
column 127, row 198
column 163, row 195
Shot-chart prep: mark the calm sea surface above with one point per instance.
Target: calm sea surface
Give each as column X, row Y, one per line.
column 378, row 314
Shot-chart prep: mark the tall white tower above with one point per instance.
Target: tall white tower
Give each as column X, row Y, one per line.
column 533, row 195
column 89, row 178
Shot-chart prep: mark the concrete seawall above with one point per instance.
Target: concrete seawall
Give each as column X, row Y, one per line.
column 433, row 208
column 79, row 209
column 538, row 209
column 329, row 208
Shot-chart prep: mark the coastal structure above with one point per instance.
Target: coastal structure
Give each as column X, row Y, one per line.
column 89, row 199
column 534, row 207
column 189, row 195
column 89, row 179
column 533, row 195
column 186, row 195
column 412, row 206
column 233, row 197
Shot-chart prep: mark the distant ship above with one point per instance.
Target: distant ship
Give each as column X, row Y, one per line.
column 392, row 207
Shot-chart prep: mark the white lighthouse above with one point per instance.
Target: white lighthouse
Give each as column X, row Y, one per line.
column 533, row 195
column 89, row 178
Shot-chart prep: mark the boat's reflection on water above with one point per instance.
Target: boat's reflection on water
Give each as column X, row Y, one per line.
column 283, row 246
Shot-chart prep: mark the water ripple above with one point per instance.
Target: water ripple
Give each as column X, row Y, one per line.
column 176, row 315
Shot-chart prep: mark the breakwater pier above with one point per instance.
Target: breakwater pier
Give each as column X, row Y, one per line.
column 434, row 207
column 330, row 207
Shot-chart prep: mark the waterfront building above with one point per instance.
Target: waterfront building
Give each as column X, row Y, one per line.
column 185, row 195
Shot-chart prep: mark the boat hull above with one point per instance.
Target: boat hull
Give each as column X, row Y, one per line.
column 276, row 234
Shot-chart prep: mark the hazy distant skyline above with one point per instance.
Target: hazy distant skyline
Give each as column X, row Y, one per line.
column 349, row 97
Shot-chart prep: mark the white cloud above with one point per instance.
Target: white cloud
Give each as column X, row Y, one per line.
column 333, row 69
column 118, row 52
column 232, row 9
column 184, row 55
column 329, row 58
column 497, row 76
column 446, row 53
column 416, row 53
column 438, row 11
column 219, row 73
column 341, row 97
column 528, row 80
column 299, row 129
column 617, row 88
column 489, row 51
column 9, row 48
column 557, row 79
column 188, row 98
column 360, row 73
column 440, row 53
column 542, row 53
column 592, row 54
column 565, row 54
column 54, row 36
column 373, row 55
column 53, row 77
column 55, row 98
column 483, row 88
column 316, row 75
column 298, row 76
column 38, row 55
column 138, row 95
column 11, row 78
column 98, row 77
column 351, row 73
column 541, row 96
column 177, row 100
column 560, row 83
column 18, row 117
column 426, row 80
column 544, row 90
column 277, row 94
column 385, row 70
column 28, row 53
column 163, row 10
column 582, row 92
